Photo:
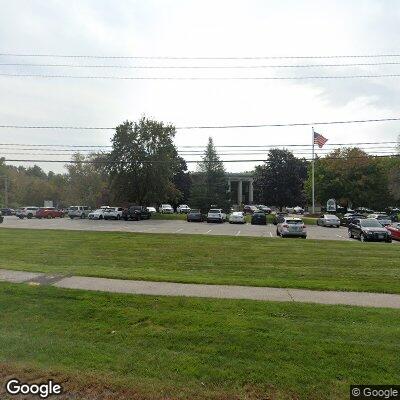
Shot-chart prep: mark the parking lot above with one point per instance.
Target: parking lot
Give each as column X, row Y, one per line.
column 170, row 226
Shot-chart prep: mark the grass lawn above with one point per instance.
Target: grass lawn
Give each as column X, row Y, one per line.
column 330, row 265
column 195, row 348
column 169, row 216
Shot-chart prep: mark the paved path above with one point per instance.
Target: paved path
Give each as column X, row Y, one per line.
column 211, row 291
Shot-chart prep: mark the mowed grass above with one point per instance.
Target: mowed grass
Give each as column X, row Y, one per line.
column 327, row 265
column 189, row 348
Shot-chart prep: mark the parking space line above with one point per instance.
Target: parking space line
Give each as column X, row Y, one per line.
column 209, row 231
column 237, row 233
column 270, row 234
column 179, row 230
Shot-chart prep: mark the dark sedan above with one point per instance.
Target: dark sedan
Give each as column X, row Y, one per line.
column 7, row 211
column 349, row 217
column 369, row 229
column 195, row 216
column 259, row 218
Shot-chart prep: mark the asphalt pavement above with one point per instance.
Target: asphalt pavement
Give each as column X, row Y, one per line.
column 171, row 226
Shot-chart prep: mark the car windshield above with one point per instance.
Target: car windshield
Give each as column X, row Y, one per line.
column 214, row 211
column 73, row 208
column 237, row 214
column 329, row 216
column 99, row 210
column 370, row 223
column 382, row 217
column 195, row 211
column 294, row 221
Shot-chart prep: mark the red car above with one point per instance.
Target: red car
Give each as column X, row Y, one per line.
column 394, row 230
column 49, row 212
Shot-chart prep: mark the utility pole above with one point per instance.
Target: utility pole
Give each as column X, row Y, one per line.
column 312, row 172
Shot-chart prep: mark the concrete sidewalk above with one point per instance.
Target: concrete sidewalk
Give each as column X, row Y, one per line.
column 208, row 291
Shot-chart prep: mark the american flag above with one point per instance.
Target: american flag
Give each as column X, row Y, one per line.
column 319, row 140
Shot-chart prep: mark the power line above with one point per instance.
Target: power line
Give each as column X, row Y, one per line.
column 187, row 161
column 198, row 148
column 202, row 78
column 273, row 125
column 140, row 57
column 199, row 66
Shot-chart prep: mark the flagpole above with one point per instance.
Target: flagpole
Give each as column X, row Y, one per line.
column 312, row 173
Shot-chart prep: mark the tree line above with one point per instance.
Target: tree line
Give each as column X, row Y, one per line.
column 144, row 167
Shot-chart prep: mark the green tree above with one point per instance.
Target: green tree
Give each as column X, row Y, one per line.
column 280, row 181
column 209, row 183
column 87, row 181
column 143, row 162
column 183, row 182
column 352, row 177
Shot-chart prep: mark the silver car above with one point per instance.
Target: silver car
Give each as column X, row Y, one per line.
column 291, row 227
column 328, row 220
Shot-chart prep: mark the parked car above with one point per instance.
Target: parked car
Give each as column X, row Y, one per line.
column 1, row 217
column 237, row 217
column 279, row 217
column 136, row 213
column 298, row 210
column 49, row 212
column 195, row 216
column 328, row 220
column 348, row 217
column 265, row 209
column 259, row 218
column 97, row 214
column 363, row 210
column 369, row 229
column 113, row 213
column 151, row 210
column 394, row 230
column 7, row 211
column 183, row 209
column 78, row 212
column 291, row 226
column 382, row 218
column 27, row 212
column 249, row 209
column 216, row 215
column 166, row 209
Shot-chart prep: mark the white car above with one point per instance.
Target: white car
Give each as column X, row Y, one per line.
column 78, row 212
column 291, row 226
column 237, row 217
column 27, row 212
column 151, row 210
column 328, row 220
column 216, row 215
column 97, row 214
column 113, row 213
column 166, row 209
column 183, row 209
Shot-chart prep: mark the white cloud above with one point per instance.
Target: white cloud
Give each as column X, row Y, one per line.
column 197, row 28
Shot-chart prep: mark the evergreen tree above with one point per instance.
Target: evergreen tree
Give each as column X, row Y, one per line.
column 210, row 186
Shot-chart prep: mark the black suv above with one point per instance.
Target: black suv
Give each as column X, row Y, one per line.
column 369, row 229
column 136, row 213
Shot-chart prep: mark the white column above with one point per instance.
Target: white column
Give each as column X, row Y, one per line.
column 251, row 192
column 240, row 192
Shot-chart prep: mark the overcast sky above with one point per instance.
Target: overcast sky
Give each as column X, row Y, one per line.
column 203, row 28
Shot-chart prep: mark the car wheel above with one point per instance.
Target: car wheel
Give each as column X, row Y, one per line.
column 29, row 216
column 277, row 233
column 49, row 217
column 350, row 234
column 362, row 238
column 118, row 217
column 83, row 216
column 389, row 240
column 72, row 217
